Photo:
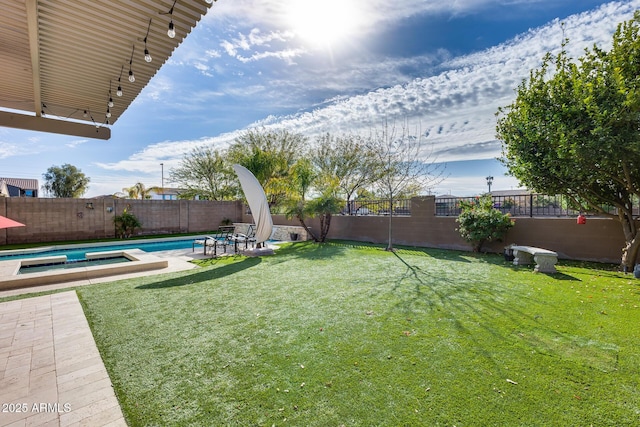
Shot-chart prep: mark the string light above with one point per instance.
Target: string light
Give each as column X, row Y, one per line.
column 94, row 122
column 110, row 102
column 171, row 32
column 147, row 56
column 119, row 91
column 132, row 78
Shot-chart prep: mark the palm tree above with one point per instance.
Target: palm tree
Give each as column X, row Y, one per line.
column 302, row 178
column 139, row 191
column 324, row 206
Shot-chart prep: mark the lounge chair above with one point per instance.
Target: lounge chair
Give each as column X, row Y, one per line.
column 217, row 239
column 239, row 238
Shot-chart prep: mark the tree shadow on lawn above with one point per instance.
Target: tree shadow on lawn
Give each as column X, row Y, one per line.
column 457, row 295
column 477, row 308
column 203, row 276
column 307, row 250
column 498, row 260
column 437, row 253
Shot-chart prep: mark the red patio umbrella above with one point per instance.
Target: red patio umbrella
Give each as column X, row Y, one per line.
column 8, row 223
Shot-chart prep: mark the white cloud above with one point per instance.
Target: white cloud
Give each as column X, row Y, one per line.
column 373, row 13
column 456, row 108
column 158, row 87
column 454, row 104
column 168, row 152
column 8, row 149
column 257, row 39
column 213, row 53
column 27, row 147
column 75, row 143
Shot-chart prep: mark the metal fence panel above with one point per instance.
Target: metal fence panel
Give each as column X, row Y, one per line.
column 401, row 207
column 531, row 205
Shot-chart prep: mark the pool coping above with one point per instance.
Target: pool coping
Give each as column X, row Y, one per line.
column 141, row 261
column 9, row 252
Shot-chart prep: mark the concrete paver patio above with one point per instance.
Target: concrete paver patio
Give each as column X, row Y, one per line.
column 51, row 372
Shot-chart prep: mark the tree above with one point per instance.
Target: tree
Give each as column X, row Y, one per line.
column 480, row 222
column 269, row 155
column 403, row 165
column 346, row 162
column 324, row 206
column 65, row 181
column 573, row 130
column 139, row 191
column 300, row 180
column 206, row 173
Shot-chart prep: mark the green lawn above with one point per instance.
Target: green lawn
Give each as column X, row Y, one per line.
column 347, row 334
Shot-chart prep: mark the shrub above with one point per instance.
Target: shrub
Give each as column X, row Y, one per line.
column 479, row 222
column 126, row 224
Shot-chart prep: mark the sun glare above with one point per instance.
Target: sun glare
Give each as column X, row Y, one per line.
column 323, row 23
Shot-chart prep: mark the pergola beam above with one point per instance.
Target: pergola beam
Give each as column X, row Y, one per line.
column 43, row 124
column 34, row 49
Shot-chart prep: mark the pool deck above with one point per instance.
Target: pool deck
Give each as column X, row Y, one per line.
column 175, row 260
column 51, row 372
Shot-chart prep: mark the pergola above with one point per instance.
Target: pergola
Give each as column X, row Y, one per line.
column 62, row 62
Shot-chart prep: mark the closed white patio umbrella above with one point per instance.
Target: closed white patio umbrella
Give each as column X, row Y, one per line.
column 257, row 203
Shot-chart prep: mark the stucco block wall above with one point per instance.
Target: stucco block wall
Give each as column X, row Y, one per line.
column 600, row 239
column 50, row 220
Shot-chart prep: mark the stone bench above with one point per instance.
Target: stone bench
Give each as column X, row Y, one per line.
column 545, row 259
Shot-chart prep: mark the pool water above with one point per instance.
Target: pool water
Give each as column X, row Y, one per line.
column 71, row 264
column 79, row 253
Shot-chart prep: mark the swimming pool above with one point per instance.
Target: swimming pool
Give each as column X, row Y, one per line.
column 78, row 252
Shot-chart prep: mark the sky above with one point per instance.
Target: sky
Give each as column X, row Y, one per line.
column 337, row 66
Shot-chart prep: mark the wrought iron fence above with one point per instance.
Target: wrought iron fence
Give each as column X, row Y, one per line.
column 401, row 207
column 519, row 205
column 531, row 205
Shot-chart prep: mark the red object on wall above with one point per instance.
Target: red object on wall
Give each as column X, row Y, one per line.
column 582, row 219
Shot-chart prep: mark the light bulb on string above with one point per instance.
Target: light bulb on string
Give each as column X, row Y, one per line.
column 119, row 91
column 110, row 102
column 171, row 32
column 132, row 78
column 147, row 56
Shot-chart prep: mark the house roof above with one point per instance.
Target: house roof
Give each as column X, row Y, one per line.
column 62, row 58
column 25, row 184
column 167, row 190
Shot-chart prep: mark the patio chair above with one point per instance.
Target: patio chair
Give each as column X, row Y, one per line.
column 219, row 238
column 239, row 238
